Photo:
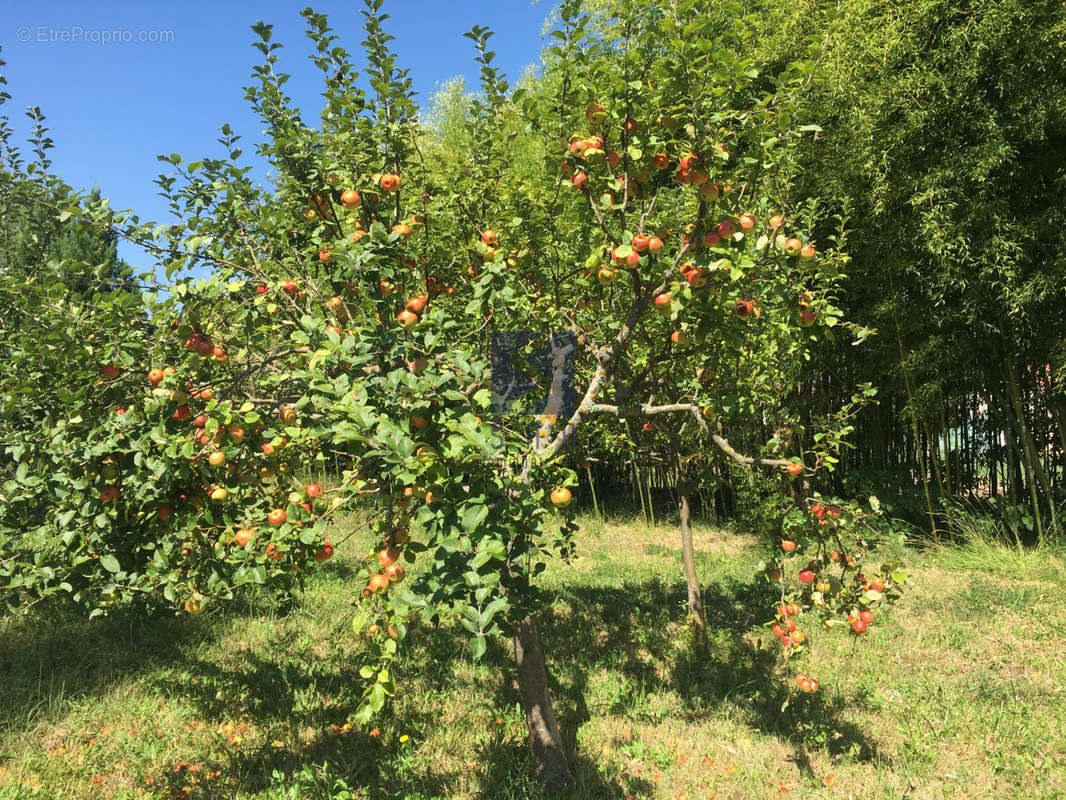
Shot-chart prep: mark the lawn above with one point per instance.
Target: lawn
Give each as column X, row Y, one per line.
column 958, row 691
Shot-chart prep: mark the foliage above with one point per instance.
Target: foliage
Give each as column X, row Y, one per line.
column 629, row 213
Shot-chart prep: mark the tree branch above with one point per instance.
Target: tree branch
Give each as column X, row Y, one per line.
column 694, row 410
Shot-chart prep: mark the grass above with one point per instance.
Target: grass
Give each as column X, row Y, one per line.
column 956, row 691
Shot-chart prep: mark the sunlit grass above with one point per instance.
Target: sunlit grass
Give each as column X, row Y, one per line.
column 957, row 691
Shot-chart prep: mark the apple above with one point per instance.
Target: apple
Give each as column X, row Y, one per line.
column 390, row 182
column 663, row 303
column 418, row 365
column 678, row 337
column 744, row 307
column 833, row 512
column 614, row 158
column 273, row 551
column 806, row 318
column 290, row 287
column 155, row 376
column 277, row 516
column 163, row 512
column 109, row 370
column 630, row 125
column 243, row 536
column 688, row 161
column 217, row 458
column 261, row 289
column 579, row 180
column 402, row 229
column 818, row 511
column 407, row 319
column 709, row 191
column 698, row 176
column 561, row 497
column 696, row 277
column 859, row 626
column 646, row 427
column 358, row 234
column 606, row 275
column 726, row 228
column 655, row 244
column 595, row 113
column 182, row 412
column 378, row 583
column 313, row 490
column 219, row 493
column 806, row 576
column 109, row 493
column 193, row 606
column 866, row 616
column 711, row 239
column 788, row 545
column 490, row 237
column 794, row 469
column 325, row 552
column 808, row 251
column 350, row 198
column 747, row 222
column 417, row 304
column 578, row 147
column 640, row 242
column 287, row 414
column 387, row 555
column 793, row 246
column 325, row 254
column 876, row 584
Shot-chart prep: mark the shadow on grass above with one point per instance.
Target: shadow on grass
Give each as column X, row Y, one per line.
column 53, row 658
column 633, row 629
column 302, row 692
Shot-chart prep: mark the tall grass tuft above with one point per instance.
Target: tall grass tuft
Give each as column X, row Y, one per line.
column 990, row 544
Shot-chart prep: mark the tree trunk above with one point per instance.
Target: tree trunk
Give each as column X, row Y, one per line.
column 549, row 757
column 1035, row 467
column 688, row 550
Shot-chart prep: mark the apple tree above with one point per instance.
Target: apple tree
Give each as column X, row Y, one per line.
column 627, row 213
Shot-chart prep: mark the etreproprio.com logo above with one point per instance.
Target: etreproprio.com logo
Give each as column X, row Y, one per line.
column 533, row 374
column 79, row 34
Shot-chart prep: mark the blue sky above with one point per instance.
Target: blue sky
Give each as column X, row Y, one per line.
column 112, row 106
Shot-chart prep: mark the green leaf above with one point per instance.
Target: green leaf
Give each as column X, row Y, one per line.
column 110, row 563
column 473, row 516
column 478, row 646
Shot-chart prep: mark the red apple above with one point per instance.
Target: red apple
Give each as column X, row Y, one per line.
column 350, row 198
